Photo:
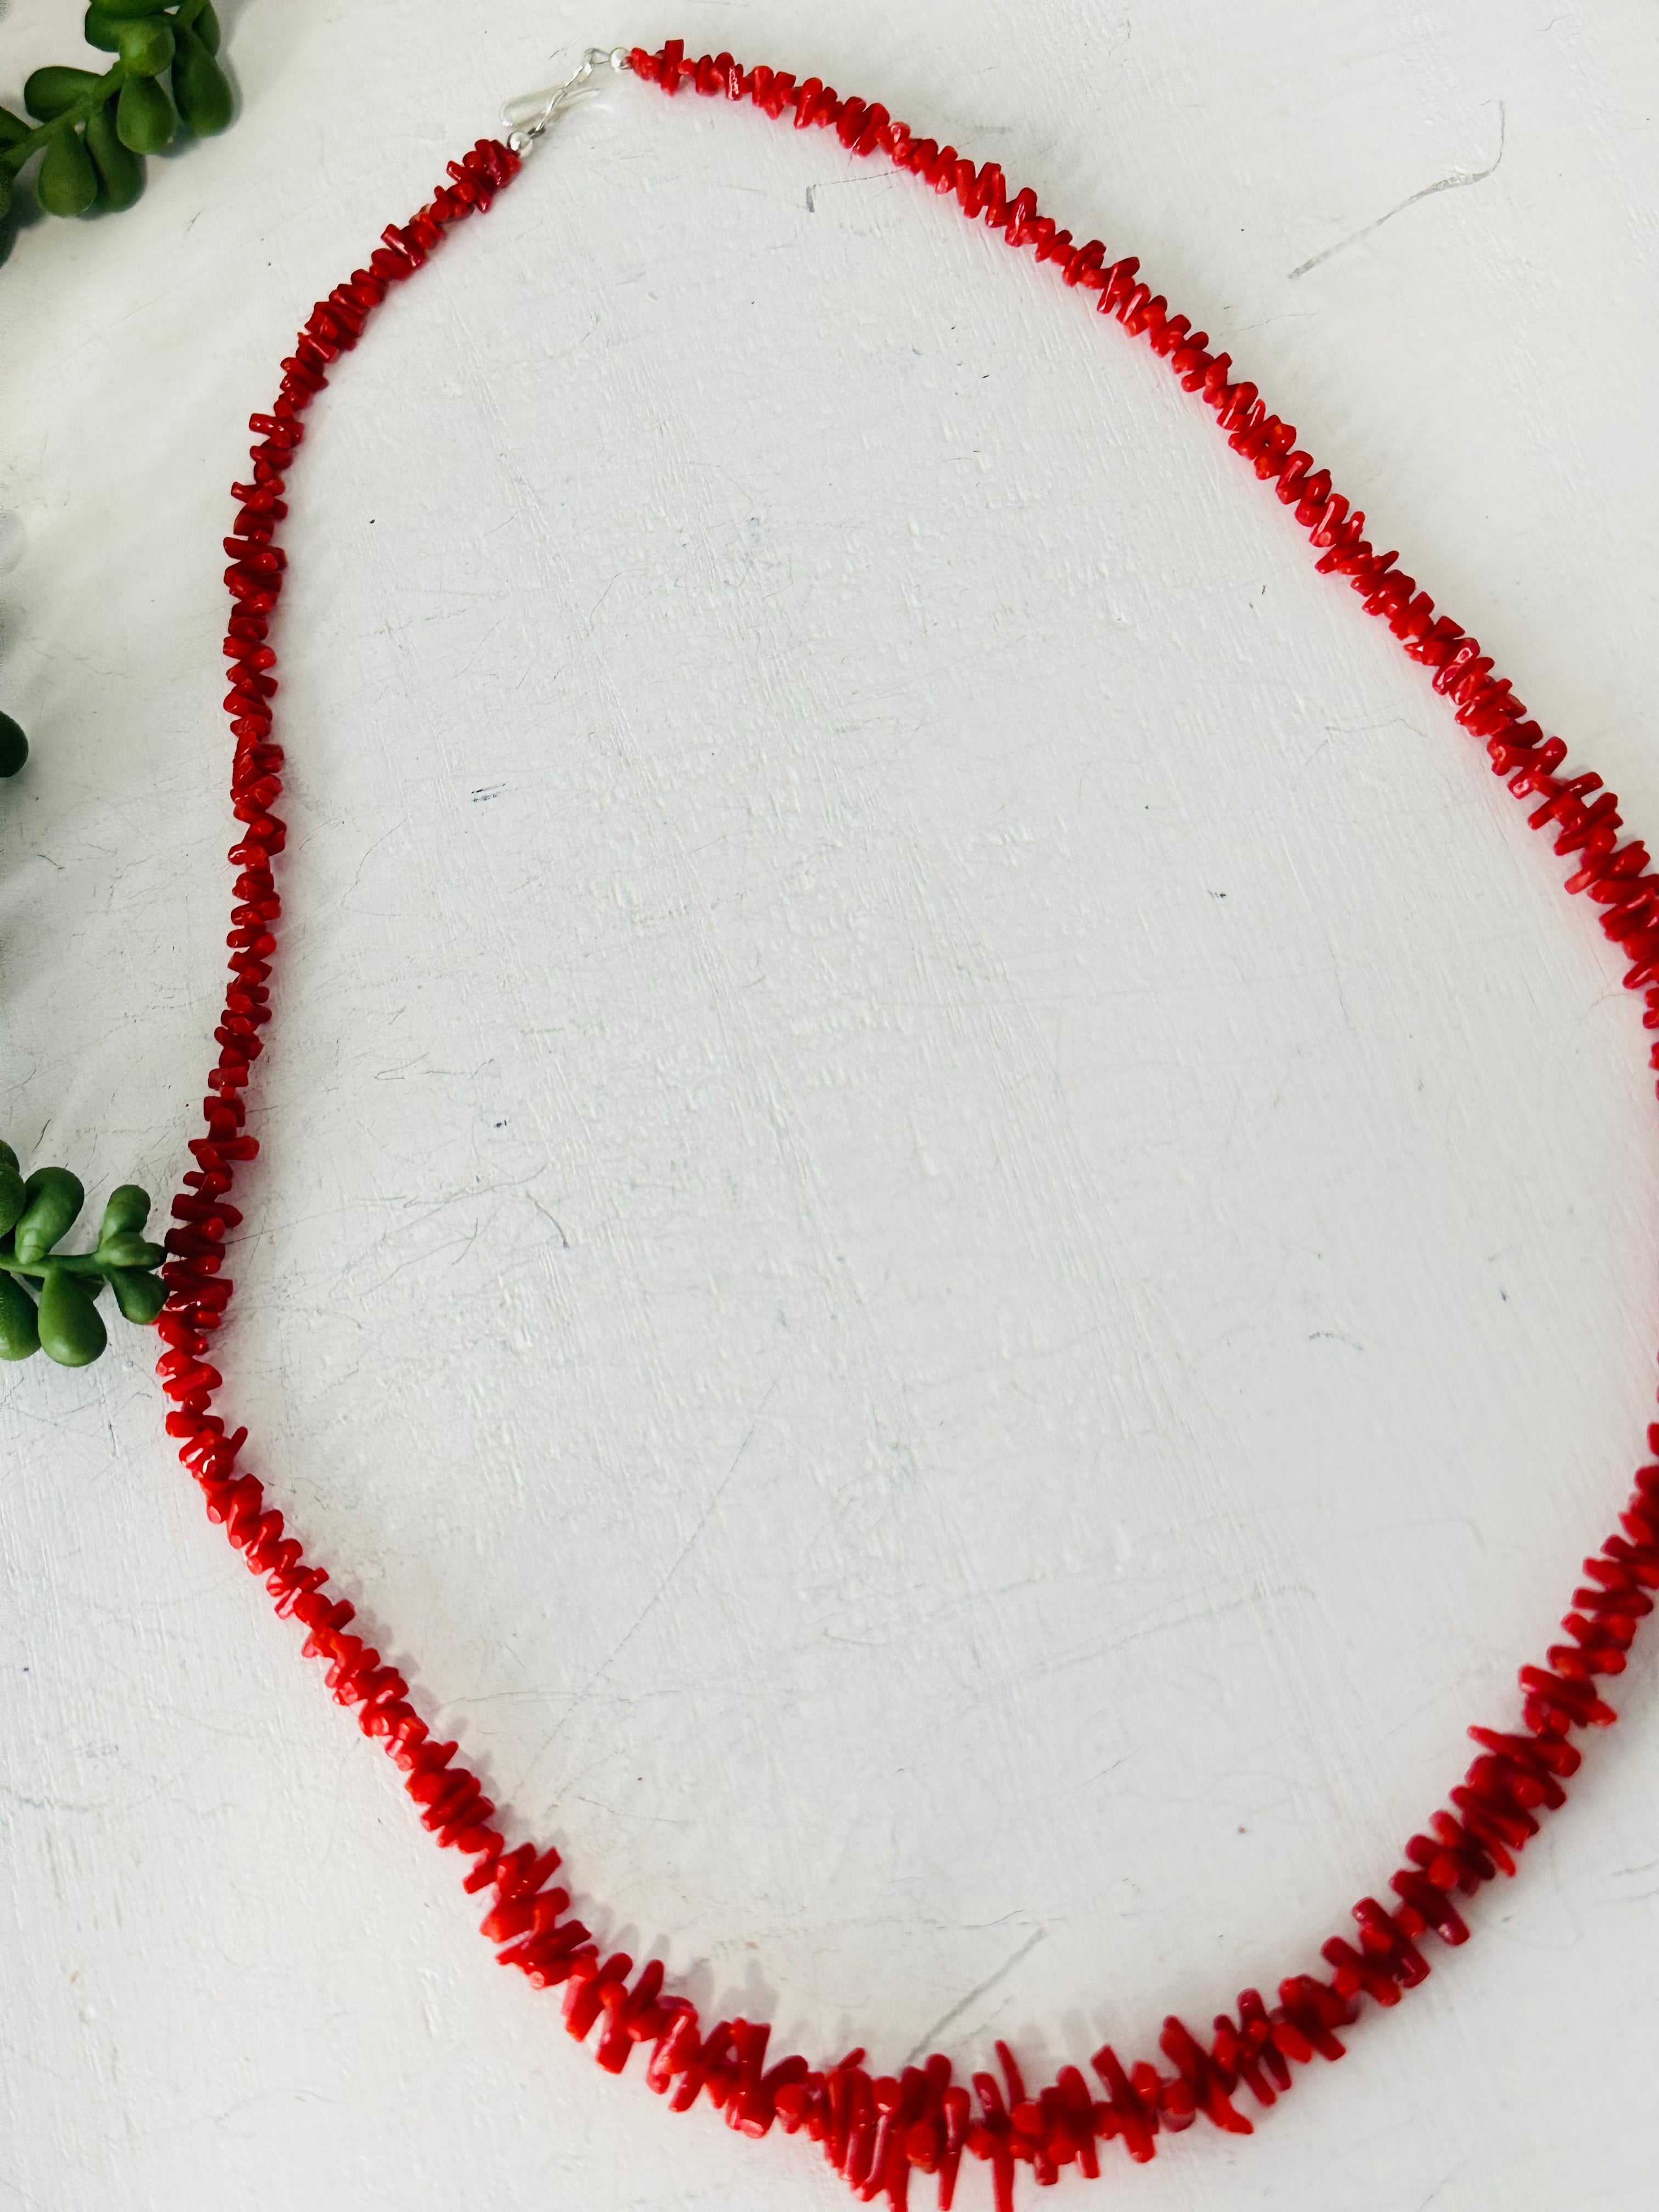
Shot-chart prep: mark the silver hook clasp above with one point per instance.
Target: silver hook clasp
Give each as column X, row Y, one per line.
column 527, row 118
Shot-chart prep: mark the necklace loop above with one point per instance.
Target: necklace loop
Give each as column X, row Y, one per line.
column 876, row 2130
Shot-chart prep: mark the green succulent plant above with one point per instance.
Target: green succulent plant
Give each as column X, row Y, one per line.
column 13, row 746
column 93, row 130
column 48, row 1299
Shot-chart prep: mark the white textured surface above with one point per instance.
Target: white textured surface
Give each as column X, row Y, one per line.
column 953, row 1237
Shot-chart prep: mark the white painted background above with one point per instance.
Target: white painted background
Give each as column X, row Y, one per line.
column 953, row 1237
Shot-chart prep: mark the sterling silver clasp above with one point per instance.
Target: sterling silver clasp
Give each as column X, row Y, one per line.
column 527, row 118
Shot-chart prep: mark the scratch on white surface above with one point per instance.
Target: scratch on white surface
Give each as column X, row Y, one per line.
column 1453, row 183
column 929, row 2040
column 686, row 1548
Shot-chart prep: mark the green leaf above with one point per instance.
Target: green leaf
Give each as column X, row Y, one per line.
column 126, row 10
column 13, row 746
column 101, row 29
column 52, row 92
column 13, row 129
column 19, row 1326
column 206, row 28
column 128, row 1251
column 55, row 1198
column 126, row 1213
column 143, row 116
column 120, row 172
column 13, row 1192
column 200, row 87
column 68, row 182
column 72, row 1329
column 141, row 1296
column 146, row 46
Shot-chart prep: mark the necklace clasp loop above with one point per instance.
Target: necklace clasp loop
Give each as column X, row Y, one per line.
column 527, row 118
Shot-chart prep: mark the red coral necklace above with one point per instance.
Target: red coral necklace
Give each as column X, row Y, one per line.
column 878, row 2130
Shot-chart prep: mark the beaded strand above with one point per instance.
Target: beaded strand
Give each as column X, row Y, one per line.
column 878, row 2130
